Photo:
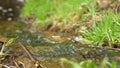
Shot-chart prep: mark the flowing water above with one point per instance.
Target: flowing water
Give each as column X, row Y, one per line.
column 51, row 51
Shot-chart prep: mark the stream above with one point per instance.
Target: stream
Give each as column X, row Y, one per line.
column 49, row 50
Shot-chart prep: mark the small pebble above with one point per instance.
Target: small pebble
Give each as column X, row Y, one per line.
column 20, row 0
column 10, row 9
column 9, row 19
column 11, row 14
column 1, row 7
column 4, row 10
column 17, row 7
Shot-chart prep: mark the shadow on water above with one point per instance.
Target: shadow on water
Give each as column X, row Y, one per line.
column 49, row 50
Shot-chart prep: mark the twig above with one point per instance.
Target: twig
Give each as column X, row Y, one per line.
column 1, row 52
column 37, row 65
column 27, row 51
column 30, row 56
column 17, row 65
column 108, row 48
column 6, row 66
column 22, row 64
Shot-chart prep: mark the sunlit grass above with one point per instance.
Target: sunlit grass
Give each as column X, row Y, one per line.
column 89, row 64
column 48, row 10
column 38, row 8
column 105, row 31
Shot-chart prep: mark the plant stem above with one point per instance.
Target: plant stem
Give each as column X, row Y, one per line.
column 1, row 52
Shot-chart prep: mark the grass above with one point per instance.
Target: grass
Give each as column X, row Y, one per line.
column 89, row 64
column 38, row 8
column 49, row 10
column 105, row 31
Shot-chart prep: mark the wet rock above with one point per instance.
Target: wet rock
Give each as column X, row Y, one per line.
column 69, row 50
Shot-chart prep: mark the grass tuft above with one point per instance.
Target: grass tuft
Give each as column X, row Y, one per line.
column 105, row 31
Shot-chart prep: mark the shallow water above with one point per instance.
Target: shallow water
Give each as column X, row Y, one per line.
column 49, row 50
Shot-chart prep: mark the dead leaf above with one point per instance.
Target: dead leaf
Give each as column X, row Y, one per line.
column 103, row 3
